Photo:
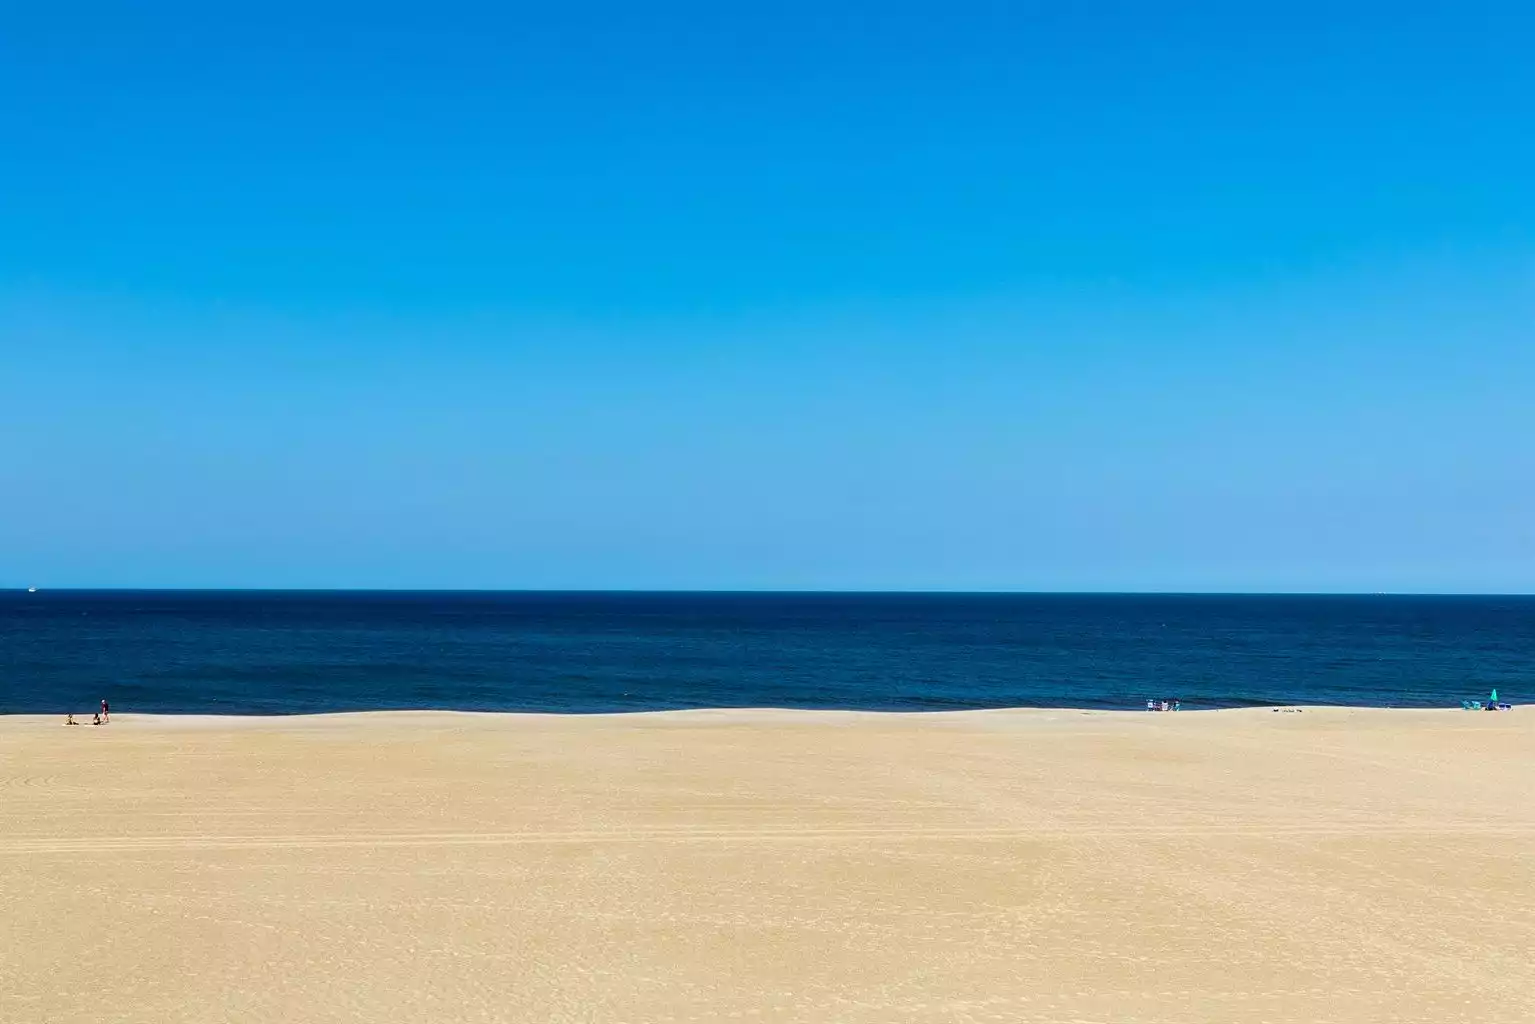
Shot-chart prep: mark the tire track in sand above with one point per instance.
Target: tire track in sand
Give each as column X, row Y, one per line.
column 209, row 841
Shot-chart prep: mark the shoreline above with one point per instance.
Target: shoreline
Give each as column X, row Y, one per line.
column 748, row 715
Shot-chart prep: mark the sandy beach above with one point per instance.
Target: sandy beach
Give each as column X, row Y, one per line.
column 1011, row 866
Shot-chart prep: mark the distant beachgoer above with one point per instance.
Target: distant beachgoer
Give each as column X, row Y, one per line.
column 1151, row 705
column 70, row 720
column 1177, row 705
column 106, row 713
column 98, row 719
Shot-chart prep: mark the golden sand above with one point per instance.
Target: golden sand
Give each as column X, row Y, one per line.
column 1014, row 866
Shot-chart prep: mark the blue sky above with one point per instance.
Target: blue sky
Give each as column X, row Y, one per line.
column 958, row 296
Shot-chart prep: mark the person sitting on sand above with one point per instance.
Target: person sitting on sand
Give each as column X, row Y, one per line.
column 98, row 719
column 70, row 720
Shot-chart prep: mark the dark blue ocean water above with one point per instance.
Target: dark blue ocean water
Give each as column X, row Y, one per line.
column 266, row 652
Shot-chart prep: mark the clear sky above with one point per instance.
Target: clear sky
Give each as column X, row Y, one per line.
column 1040, row 296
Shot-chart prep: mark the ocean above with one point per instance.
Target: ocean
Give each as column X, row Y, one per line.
column 255, row 652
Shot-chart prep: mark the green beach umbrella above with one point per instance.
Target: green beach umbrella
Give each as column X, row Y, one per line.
column 1494, row 698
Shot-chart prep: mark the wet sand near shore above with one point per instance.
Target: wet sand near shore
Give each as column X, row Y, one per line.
column 1338, row 865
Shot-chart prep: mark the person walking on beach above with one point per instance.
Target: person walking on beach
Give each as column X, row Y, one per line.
column 106, row 714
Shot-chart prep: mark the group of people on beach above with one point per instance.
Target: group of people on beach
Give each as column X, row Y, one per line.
column 1164, row 705
column 102, row 717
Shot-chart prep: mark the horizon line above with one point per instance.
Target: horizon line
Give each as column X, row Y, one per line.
column 915, row 592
